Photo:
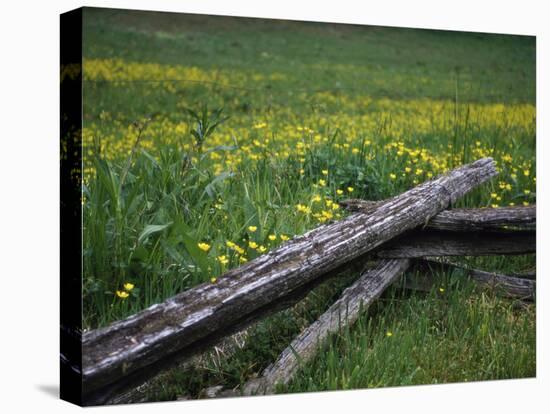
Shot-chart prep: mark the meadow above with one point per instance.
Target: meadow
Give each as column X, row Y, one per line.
column 209, row 141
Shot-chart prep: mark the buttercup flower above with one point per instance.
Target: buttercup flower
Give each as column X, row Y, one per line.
column 122, row 294
column 204, row 246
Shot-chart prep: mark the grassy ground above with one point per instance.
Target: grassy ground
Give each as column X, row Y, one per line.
column 311, row 114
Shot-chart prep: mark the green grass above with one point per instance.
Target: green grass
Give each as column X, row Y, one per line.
column 455, row 336
column 461, row 334
column 316, row 113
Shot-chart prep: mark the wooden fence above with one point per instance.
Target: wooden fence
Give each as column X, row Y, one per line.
column 380, row 240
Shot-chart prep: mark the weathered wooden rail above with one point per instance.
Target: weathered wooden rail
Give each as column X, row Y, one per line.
column 370, row 285
column 128, row 352
column 467, row 219
column 375, row 278
column 510, row 285
column 424, row 243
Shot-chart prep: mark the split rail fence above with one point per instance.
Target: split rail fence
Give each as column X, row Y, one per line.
column 378, row 240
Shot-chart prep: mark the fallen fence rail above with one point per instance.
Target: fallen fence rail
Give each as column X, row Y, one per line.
column 128, row 352
column 375, row 278
column 466, row 219
column 509, row 285
column 361, row 294
column 422, row 243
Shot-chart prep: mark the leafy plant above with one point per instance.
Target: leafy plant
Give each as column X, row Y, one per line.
column 205, row 124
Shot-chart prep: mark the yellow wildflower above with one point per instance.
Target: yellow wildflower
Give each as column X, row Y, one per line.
column 350, row 189
column 122, row 294
column 252, row 245
column 128, row 286
column 339, row 192
column 324, row 172
column 223, row 259
column 284, row 237
column 204, row 246
column 252, row 229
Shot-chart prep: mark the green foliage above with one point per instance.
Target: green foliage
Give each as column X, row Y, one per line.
column 453, row 334
column 205, row 124
column 185, row 193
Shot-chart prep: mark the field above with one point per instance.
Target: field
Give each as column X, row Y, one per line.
column 209, row 141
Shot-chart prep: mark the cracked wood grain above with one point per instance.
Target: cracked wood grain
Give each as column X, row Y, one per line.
column 422, row 243
column 466, row 219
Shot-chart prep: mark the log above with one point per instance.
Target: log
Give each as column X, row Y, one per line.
column 139, row 394
column 466, row 219
column 478, row 219
column 422, row 243
column 113, row 355
column 526, row 274
column 345, row 311
column 506, row 285
column 130, row 390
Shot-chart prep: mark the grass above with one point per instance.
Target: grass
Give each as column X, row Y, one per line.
column 454, row 333
column 210, row 141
